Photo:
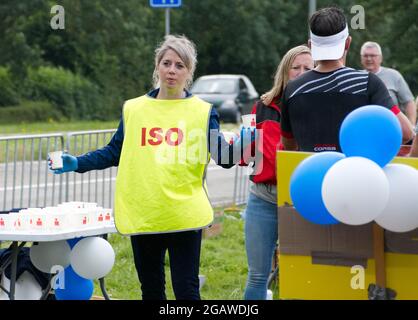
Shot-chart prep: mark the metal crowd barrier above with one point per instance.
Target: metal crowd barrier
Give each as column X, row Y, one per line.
column 241, row 186
column 25, row 180
column 93, row 186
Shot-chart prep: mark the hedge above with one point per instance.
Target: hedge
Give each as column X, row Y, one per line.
column 29, row 112
column 8, row 93
column 74, row 97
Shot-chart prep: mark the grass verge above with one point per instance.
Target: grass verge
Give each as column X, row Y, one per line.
column 223, row 263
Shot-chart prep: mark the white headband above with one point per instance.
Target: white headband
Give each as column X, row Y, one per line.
column 329, row 47
column 329, row 41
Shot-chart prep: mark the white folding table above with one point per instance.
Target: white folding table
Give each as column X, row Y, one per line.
column 24, row 236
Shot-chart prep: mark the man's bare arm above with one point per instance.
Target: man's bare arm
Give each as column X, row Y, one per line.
column 411, row 112
column 407, row 128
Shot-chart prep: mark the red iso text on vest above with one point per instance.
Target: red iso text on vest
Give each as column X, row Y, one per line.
column 156, row 136
column 175, row 145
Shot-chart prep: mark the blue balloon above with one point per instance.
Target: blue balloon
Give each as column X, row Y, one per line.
column 306, row 187
column 75, row 287
column 372, row 132
column 73, row 242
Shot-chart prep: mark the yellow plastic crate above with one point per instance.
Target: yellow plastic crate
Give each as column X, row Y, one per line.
column 300, row 279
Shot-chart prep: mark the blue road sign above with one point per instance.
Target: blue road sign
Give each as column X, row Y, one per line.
column 165, row 3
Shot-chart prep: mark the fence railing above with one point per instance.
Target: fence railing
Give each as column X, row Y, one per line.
column 93, row 186
column 25, row 180
column 24, row 174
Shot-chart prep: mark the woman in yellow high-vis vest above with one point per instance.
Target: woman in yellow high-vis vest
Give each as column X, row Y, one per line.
column 162, row 147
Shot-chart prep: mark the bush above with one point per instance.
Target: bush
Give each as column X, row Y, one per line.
column 29, row 112
column 8, row 93
column 74, row 96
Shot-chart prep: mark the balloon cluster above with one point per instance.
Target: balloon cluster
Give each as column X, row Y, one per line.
column 359, row 186
column 83, row 260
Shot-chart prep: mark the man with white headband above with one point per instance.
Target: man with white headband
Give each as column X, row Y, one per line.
column 315, row 104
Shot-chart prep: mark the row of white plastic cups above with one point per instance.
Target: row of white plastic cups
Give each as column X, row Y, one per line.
column 42, row 221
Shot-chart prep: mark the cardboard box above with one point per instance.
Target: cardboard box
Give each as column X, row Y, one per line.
column 323, row 262
column 337, row 244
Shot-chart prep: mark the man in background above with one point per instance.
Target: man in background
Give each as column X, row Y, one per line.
column 371, row 59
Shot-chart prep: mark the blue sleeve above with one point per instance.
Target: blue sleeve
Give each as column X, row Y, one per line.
column 221, row 151
column 103, row 158
column 214, row 120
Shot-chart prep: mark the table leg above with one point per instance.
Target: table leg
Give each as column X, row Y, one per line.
column 15, row 251
column 103, row 288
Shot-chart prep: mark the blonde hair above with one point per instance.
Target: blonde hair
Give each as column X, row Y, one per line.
column 186, row 50
column 281, row 78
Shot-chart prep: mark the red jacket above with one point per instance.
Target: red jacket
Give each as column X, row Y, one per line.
column 268, row 125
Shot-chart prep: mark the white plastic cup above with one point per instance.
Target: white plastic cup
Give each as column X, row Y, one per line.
column 4, row 222
column 30, row 214
column 38, row 222
column 35, row 219
column 108, row 216
column 229, row 136
column 79, row 219
column 15, row 221
column 89, row 205
column 23, row 221
column 56, row 221
column 74, row 205
column 56, row 159
column 249, row 120
column 101, row 217
column 96, row 216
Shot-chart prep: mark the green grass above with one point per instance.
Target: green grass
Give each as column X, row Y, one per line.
column 223, row 262
column 54, row 126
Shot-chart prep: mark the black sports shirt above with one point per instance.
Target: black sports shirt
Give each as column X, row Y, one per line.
column 315, row 104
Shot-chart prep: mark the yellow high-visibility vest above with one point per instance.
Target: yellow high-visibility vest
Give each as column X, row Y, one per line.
column 161, row 185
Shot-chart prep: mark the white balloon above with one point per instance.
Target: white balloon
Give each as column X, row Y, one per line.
column 26, row 287
column 401, row 212
column 355, row 190
column 45, row 255
column 92, row 258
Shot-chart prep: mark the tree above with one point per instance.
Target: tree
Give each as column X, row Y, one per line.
column 243, row 36
column 111, row 43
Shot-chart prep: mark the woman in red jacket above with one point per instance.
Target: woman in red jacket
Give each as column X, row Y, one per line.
column 261, row 232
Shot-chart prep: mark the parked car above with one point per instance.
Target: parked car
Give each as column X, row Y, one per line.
column 231, row 95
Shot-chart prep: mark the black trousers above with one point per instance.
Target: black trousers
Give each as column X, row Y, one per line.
column 184, row 253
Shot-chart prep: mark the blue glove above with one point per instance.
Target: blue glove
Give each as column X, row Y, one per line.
column 70, row 163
